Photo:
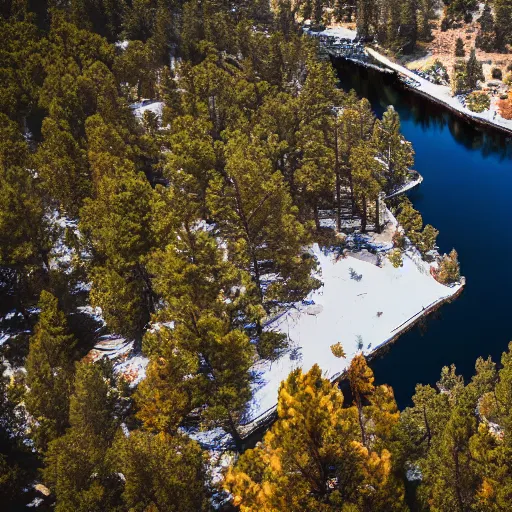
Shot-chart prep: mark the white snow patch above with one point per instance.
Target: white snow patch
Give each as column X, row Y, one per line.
column 35, row 502
column 122, row 45
column 216, row 439
column 340, row 32
column 147, row 105
column 133, row 369
column 360, row 305
column 120, row 351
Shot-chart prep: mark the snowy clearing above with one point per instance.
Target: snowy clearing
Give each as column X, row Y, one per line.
column 360, row 305
column 147, row 105
column 340, row 32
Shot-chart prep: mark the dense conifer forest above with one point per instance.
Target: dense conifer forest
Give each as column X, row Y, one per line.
column 187, row 230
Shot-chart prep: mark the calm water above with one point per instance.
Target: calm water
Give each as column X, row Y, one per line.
column 467, row 196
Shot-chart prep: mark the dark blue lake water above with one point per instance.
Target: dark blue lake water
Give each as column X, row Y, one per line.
column 467, row 195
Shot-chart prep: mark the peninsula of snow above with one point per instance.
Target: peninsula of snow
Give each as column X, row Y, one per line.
column 361, row 305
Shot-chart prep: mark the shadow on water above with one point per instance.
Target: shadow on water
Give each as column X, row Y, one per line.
column 466, row 195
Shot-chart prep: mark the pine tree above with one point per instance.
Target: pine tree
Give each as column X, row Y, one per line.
column 474, row 71
column 116, row 224
column 459, row 48
column 170, row 390
column 14, row 477
column 192, row 151
column 462, row 9
column 62, row 166
column 317, row 11
column 490, row 450
column 421, row 424
column 503, row 23
column 206, row 365
column 395, row 151
column 254, row 212
column 411, row 220
column 354, row 124
column 366, row 11
column 76, row 469
column 450, row 474
column 409, row 26
column 459, row 78
column 49, row 372
column 389, row 24
column 366, row 176
column 137, row 67
column 361, row 379
column 311, row 459
column 340, row 10
column 160, row 472
column 25, row 235
column 22, row 52
column 485, row 38
column 427, row 13
column 315, row 178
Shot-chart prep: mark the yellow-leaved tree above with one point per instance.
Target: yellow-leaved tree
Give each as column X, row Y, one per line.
column 313, row 457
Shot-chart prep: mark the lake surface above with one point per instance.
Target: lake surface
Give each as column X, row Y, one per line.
column 467, row 196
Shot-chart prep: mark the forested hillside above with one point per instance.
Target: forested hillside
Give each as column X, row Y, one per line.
column 183, row 231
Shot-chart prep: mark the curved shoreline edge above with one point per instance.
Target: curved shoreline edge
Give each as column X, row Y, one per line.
column 265, row 420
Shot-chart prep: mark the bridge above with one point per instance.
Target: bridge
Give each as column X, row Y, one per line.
column 332, row 46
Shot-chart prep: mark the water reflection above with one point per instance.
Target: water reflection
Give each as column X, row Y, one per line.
column 384, row 89
column 466, row 195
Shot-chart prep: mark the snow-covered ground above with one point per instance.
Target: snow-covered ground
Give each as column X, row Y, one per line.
column 360, row 305
column 441, row 93
column 120, row 351
column 152, row 106
column 341, row 32
column 408, row 186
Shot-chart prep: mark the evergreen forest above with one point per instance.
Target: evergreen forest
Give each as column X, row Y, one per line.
column 183, row 231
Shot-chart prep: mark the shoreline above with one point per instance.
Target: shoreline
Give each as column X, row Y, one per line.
column 438, row 94
column 458, row 109
column 262, row 422
column 467, row 117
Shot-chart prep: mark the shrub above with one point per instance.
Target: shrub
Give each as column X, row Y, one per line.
column 509, row 67
column 508, row 78
column 398, row 240
column 478, row 101
column 449, row 268
column 438, row 73
column 271, row 345
column 497, row 74
column 395, row 257
column 505, row 106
